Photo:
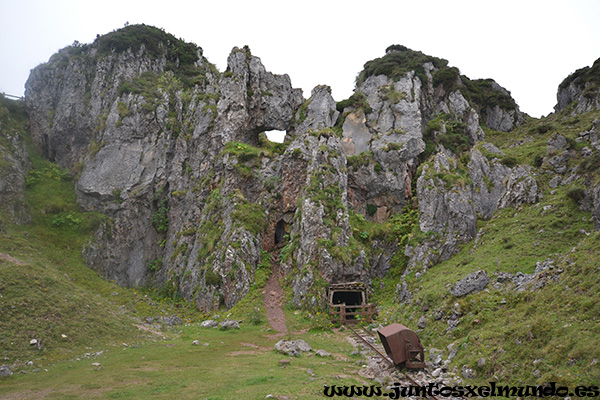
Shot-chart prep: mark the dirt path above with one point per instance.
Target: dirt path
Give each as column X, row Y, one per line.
column 6, row 257
column 273, row 298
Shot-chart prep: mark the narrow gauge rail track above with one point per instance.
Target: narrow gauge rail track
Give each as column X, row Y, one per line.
column 386, row 359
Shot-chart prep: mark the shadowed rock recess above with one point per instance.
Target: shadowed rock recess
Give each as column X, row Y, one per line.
column 173, row 151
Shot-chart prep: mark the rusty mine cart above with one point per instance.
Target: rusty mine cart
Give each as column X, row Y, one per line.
column 402, row 345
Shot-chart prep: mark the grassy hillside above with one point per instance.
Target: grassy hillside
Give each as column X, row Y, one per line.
column 46, row 291
column 526, row 337
column 530, row 336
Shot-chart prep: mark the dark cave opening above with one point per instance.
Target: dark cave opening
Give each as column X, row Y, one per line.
column 350, row 298
column 279, row 231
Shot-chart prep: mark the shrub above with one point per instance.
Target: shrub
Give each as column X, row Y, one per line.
column 394, row 96
column 53, row 172
column 160, row 218
column 538, row 160
column 358, row 101
column 360, row 160
column 482, row 94
column 397, row 62
column 544, row 128
column 155, row 265
column 371, row 209
column 454, row 139
column 576, row 194
column 509, row 161
column 66, row 219
column 154, row 40
column 211, row 278
column 447, row 77
column 255, row 316
column 591, row 164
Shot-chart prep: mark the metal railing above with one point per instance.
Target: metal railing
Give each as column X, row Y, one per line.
column 353, row 313
column 11, row 96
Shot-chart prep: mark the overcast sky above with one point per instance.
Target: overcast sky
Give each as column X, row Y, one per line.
column 527, row 46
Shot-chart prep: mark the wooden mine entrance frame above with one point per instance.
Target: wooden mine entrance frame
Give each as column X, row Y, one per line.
column 348, row 303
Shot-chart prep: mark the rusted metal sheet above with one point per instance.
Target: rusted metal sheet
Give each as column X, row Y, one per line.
column 402, row 345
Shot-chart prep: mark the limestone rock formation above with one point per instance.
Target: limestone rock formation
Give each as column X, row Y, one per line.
column 149, row 148
column 472, row 283
column 453, row 195
column 174, row 153
column 13, row 171
column 580, row 90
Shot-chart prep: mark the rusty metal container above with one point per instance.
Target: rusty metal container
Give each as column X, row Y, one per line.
column 402, row 345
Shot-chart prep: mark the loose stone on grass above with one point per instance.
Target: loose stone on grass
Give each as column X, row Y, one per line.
column 209, row 323
column 5, row 371
column 322, row 353
column 229, row 324
column 292, row 347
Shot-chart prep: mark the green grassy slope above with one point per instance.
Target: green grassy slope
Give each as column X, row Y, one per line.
column 530, row 336
column 527, row 337
column 46, row 291
column 238, row 364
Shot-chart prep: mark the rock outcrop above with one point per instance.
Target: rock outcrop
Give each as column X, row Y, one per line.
column 174, row 153
column 150, row 151
column 580, row 90
column 13, row 167
column 472, row 283
column 452, row 196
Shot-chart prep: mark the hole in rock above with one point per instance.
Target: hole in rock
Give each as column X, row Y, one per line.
column 279, row 231
column 275, row 136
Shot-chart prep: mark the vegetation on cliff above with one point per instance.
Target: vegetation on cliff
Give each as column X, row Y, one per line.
column 214, row 200
column 400, row 60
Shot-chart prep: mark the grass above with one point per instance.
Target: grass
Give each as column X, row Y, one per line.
column 528, row 337
column 227, row 365
column 49, row 293
column 398, row 61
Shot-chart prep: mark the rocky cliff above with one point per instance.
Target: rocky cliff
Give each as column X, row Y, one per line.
column 14, row 163
column 174, row 152
column 580, row 91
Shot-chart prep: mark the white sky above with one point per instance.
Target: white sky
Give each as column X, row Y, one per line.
column 527, row 46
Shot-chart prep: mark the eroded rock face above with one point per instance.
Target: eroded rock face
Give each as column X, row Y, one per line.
column 253, row 100
column 15, row 162
column 156, row 165
column 499, row 118
column 193, row 194
column 452, row 196
column 315, row 252
column 384, row 134
column 384, row 144
column 580, row 90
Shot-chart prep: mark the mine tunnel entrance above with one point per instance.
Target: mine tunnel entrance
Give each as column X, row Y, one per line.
column 347, row 301
column 350, row 298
